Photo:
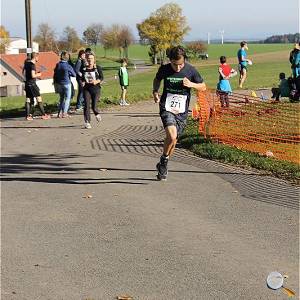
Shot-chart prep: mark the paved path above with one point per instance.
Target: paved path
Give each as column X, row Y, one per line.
column 210, row 232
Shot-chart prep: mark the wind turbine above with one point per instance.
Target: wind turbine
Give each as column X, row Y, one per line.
column 222, row 34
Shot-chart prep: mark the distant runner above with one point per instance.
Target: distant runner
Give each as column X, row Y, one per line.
column 243, row 63
column 179, row 77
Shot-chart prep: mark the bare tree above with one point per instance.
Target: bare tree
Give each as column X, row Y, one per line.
column 117, row 36
column 45, row 37
column 70, row 39
column 92, row 34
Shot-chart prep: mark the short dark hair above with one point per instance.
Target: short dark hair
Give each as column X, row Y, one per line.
column 123, row 60
column 64, row 55
column 34, row 55
column 243, row 43
column 222, row 59
column 88, row 50
column 282, row 75
column 176, row 53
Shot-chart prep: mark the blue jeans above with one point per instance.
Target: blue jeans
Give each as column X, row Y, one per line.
column 80, row 99
column 65, row 97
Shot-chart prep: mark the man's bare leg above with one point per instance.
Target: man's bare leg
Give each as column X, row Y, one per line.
column 169, row 147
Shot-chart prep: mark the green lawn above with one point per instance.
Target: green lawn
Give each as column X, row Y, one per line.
column 214, row 50
column 134, row 52
column 260, row 75
column 230, row 50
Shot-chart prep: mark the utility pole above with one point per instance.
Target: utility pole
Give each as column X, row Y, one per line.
column 298, row 21
column 28, row 27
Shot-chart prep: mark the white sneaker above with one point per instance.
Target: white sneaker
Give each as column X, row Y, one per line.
column 98, row 118
column 121, row 102
column 87, row 125
column 125, row 103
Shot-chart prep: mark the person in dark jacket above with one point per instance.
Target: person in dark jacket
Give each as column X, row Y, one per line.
column 78, row 65
column 62, row 73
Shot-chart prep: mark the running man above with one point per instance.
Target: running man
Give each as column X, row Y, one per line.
column 31, row 88
column 243, row 62
column 179, row 77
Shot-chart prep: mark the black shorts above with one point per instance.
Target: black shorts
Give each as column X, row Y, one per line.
column 242, row 67
column 32, row 90
column 169, row 119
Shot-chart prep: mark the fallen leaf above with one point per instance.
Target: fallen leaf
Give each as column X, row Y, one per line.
column 289, row 292
column 285, row 276
column 269, row 153
column 102, row 170
column 124, row 298
column 87, row 196
column 116, row 195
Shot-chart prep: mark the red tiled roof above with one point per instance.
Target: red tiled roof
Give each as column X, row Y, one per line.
column 46, row 64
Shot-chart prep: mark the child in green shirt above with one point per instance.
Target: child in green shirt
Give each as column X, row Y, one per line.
column 124, row 81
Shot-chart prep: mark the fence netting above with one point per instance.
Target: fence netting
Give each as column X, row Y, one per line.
column 250, row 123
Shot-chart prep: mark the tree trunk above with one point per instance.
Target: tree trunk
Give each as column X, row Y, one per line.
column 155, row 58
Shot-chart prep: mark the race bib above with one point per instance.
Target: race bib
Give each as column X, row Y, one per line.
column 175, row 103
column 90, row 77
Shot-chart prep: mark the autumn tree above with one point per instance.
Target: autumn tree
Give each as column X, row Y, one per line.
column 45, row 37
column 4, row 39
column 164, row 28
column 92, row 34
column 70, row 39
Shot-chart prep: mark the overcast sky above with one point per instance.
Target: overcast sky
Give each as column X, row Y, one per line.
column 239, row 19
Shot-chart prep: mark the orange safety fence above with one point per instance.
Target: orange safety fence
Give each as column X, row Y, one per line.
column 250, row 123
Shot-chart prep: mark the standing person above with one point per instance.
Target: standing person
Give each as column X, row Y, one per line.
column 79, row 64
column 91, row 78
column 179, row 77
column 124, row 81
column 243, row 62
column 295, row 65
column 62, row 73
column 223, row 87
column 31, row 88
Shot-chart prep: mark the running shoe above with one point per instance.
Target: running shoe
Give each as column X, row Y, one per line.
column 46, row 117
column 87, row 125
column 29, row 118
column 98, row 118
column 162, row 168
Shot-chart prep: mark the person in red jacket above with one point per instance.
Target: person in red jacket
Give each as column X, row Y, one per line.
column 223, row 87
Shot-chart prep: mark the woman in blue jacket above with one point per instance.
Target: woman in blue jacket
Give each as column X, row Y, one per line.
column 62, row 73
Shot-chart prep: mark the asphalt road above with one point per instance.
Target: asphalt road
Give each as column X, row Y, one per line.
column 82, row 216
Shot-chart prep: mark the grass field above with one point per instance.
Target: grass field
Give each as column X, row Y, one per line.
column 269, row 61
column 140, row 52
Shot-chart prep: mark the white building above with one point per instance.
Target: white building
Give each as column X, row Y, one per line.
column 19, row 45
